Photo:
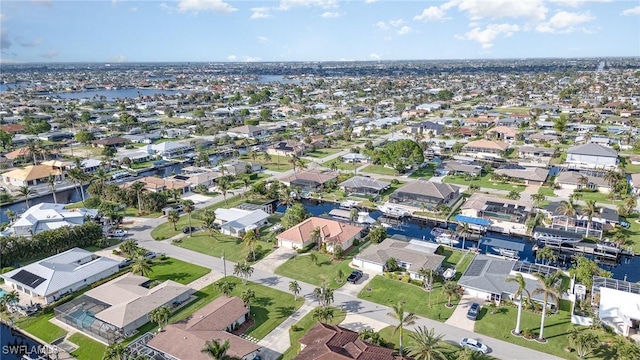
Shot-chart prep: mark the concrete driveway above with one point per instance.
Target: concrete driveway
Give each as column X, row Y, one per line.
column 357, row 322
column 459, row 316
column 276, row 258
column 354, row 289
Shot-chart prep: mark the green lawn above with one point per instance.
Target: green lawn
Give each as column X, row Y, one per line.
column 394, row 340
column 341, row 165
column 320, row 153
column 633, row 232
column 142, row 165
column 303, row 326
column 379, row 169
column 302, row 268
column 130, row 211
column 513, row 110
column 392, row 188
column 546, row 191
column 40, row 327
column 598, row 197
column 233, row 248
column 277, row 162
column 483, row 182
column 387, row 292
column 424, row 172
column 87, row 347
column 176, row 270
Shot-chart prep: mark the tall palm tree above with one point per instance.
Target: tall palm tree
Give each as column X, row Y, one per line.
column 10, row 298
column 294, row 287
column 141, row 265
column 611, row 177
column 549, row 286
column 404, row 319
column 247, row 296
column 224, row 186
column 266, row 157
column 100, row 176
column 26, row 191
column 590, row 210
column 323, row 314
column 538, row 198
column 173, row 217
column 463, row 229
column 138, row 187
column 243, row 270
column 209, row 218
column 250, row 239
column 160, row 316
column 188, row 206
column 323, row 294
column 216, row 350
column 451, row 289
column 519, row 280
column 130, row 248
column 34, row 146
column 316, row 236
column 427, row 345
column 567, row 208
column 225, row 286
column 51, row 180
column 116, row 351
column 77, row 177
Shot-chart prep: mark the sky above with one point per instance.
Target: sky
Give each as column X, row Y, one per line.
column 314, row 30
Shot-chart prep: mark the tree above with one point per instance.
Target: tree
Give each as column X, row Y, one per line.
column 399, row 155
column 372, row 337
column 584, row 269
column 247, row 297
column 513, row 195
column 323, row 294
column 34, row 146
column 116, row 351
column 266, row 157
column 391, row 265
column 377, row 234
column 583, row 341
column 625, row 350
column 209, row 219
column 323, row 314
column 138, row 187
column 314, row 258
column 243, row 270
column 141, row 265
column 6, row 139
column 451, row 290
column 130, row 248
column 224, row 186
column 173, row 216
column 188, row 206
column 160, row 316
column 589, row 211
column 250, row 239
column 315, row 235
column 10, row 298
column 550, row 287
column 294, row 287
column 294, row 215
column 519, row 280
column 353, row 215
column 538, row 198
column 84, row 136
column 216, row 350
column 427, row 345
column 463, row 229
column 26, row 191
column 546, row 255
column 404, row 319
column 567, row 208
column 225, row 286
column 51, row 181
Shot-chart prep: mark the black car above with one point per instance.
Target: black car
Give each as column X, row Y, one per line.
column 187, row 229
column 472, row 314
column 355, row 276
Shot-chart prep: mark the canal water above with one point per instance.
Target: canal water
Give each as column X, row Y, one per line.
column 13, row 345
column 111, row 95
column 628, row 267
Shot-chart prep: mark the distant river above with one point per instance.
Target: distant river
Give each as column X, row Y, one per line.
column 111, row 95
column 275, row 78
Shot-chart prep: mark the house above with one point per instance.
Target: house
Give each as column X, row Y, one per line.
column 52, row 278
column 47, row 216
column 117, row 308
column 530, row 175
column 90, row 165
column 604, row 220
column 30, row 175
column 635, row 183
column 237, row 222
column 286, row 148
column 185, row 339
column 311, row 179
column 592, row 156
column 485, row 278
column 617, row 304
column 248, row 132
column 453, row 167
column 331, row 233
column 237, row 167
column 411, row 255
column 506, row 216
column 112, row 142
column 13, row 128
column 485, row 148
column 531, row 152
column 575, row 180
column 325, row 341
column 169, row 149
column 543, row 138
column 156, row 184
column 425, row 194
column 356, row 158
column 426, row 128
column 195, row 176
column 364, row 185
column 502, row 133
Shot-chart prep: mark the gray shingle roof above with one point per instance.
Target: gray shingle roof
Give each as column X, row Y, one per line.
column 412, row 253
column 593, row 150
column 365, row 182
column 428, row 188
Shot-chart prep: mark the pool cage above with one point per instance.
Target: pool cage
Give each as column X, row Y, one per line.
column 80, row 314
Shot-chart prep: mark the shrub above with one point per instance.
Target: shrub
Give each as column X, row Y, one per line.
column 295, row 328
column 356, row 242
column 92, row 202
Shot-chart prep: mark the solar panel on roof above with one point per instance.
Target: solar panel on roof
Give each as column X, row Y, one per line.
column 476, row 267
column 27, row 278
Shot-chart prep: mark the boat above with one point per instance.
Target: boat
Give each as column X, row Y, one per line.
column 447, row 240
column 556, row 236
column 393, row 211
column 505, row 252
column 608, row 246
column 386, row 226
column 343, row 214
column 349, row 204
column 437, row 231
column 448, row 274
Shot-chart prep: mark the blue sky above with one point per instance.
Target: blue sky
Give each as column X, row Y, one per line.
column 315, row 30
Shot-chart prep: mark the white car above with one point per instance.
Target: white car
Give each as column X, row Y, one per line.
column 118, row 233
column 474, row 345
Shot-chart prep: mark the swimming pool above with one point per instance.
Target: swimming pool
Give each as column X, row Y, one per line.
column 2, row 293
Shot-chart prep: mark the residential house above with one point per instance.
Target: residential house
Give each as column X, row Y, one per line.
column 237, row 222
column 13, row 128
column 325, row 341
column 411, row 255
column 530, row 175
column 604, row 220
column 364, row 186
column 485, row 148
column 47, row 216
column 195, row 176
column 310, row 180
column 238, row 167
column 169, row 149
column 512, row 122
column 425, row 194
column 617, row 303
column 248, row 132
column 454, row 167
column 112, row 142
column 543, row 138
column 506, row 216
column 31, row 175
column 332, row 233
column 592, row 156
column 156, row 184
column 575, row 180
column 185, row 339
column 286, row 148
column 356, row 158
column 427, row 128
column 536, row 153
column 52, row 278
column 502, row 133
column 635, row 183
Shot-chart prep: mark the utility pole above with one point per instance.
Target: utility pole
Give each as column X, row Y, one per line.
column 224, row 264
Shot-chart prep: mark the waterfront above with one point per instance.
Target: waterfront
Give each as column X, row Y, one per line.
column 111, row 95
column 14, row 344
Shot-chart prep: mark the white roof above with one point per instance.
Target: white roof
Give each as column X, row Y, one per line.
column 241, row 219
column 167, row 146
column 46, row 216
column 614, row 303
column 50, row 275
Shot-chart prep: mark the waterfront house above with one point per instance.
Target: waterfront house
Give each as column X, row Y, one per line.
column 502, row 133
column 453, row 167
column 530, row 176
column 52, row 278
column 485, row 148
column 156, row 184
column 426, row 128
column 506, row 216
column 31, row 175
column 248, row 132
column 310, row 180
column 592, row 156
column 112, row 142
column 334, row 342
column 47, row 216
column 332, row 233
column 169, row 149
column 536, row 153
column 617, row 302
column 364, row 186
column 575, row 180
column 286, row 148
column 604, row 220
column 236, row 222
column 425, row 194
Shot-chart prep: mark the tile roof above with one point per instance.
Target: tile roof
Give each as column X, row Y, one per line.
column 331, row 230
column 365, row 182
column 534, row 174
column 329, row 342
column 487, row 144
column 32, row 172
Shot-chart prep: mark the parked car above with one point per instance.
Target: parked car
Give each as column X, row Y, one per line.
column 187, row 229
column 355, row 276
column 472, row 313
column 118, row 233
column 150, row 255
column 124, row 263
column 474, row 345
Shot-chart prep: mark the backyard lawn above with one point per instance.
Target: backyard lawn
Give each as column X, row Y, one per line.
column 341, row 165
column 379, row 169
column 425, row 172
column 598, row 197
column 87, row 348
column 302, row 268
column 392, row 188
column 176, row 270
column 484, row 182
column 40, row 327
column 233, row 247
column 633, row 232
column 546, row 191
column 320, row 153
column 130, row 211
column 303, row 326
column 277, row 162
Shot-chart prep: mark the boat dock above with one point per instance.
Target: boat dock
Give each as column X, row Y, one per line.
column 589, row 249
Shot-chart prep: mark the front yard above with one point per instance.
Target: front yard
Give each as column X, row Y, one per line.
column 177, row 270
column 484, row 182
column 303, row 268
column 88, row 348
column 217, row 244
column 321, row 153
column 380, row 169
column 303, row 326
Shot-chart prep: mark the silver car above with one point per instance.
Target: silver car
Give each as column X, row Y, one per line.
column 474, row 345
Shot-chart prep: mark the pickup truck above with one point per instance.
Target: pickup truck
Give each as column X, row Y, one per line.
column 355, row 276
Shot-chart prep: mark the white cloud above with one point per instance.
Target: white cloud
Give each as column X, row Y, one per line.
column 576, row 3
column 432, row 13
column 404, row 30
column 496, row 9
column 632, row 11
column 325, row 4
column 382, row 25
column 134, row 9
column 118, row 59
column 43, row 2
column 3, row 17
column 346, row 59
column 370, row 1
column 374, row 56
column 489, row 34
column 250, row 59
column 565, row 22
column 232, row 58
column 196, row 6
column 263, row 39
column 331, row 14
column 5, row 42
column 49, row 54
column 261, row 13
column 32, row 43
column 396, row 22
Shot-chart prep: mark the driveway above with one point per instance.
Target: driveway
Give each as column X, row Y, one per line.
column 276, row 258
column 357, row 322
column 354, row 289
column 459, row 316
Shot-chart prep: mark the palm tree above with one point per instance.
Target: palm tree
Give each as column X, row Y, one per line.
column 116, row 351
column 294, row 161
column 583, row 181
column 463, row 229
column 130, row 248
column 247, row 296
column 224, row 187
column 138, row 188
column 188, row 206
column 225, row 286
column 294, row 287
column 451, row 289
column 51, row 180
column 101, row 177
column 323, row 294
column 77, row 177
column 173, row 216
column 549, row 288
column 546, row 253
column 583, row 341
column 141, row 265
column 590, row 210
column 519, row 280
column 216, row 350
column 316, row 236
column 323, row 314
column 11, row 214
column 567, row 208
column 427, row 345
column 266, row 157
column 538, row 198
column 209, row 218
column 160, row 316
column 611, row 177
column 250, row 239
column 243, row 270
column 34, row 146
column 403, row 320
column 513, row 195
column 10, row 298
column 26, row 191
